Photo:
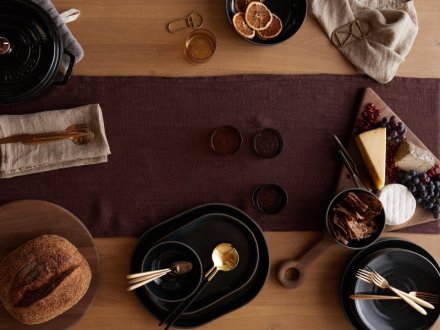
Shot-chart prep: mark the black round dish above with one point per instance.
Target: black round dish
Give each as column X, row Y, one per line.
column 32, row 59
column 291, row 12
column 172, row 287
column 348, row 283
column 407, row 271
column 218, row 302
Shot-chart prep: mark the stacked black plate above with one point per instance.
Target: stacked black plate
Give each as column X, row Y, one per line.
column 407, row 267
column 202, row 228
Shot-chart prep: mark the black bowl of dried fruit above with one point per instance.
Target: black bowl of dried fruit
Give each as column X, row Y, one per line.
column 355, row 218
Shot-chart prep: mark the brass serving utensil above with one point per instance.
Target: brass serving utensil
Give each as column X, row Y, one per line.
column 428, row 297
column 374, row 278
column 225, row 258
column 78, row 134
column 140, row 279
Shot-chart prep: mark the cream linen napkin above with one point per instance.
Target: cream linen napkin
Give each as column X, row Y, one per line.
column 374, row 35
column 19, row 159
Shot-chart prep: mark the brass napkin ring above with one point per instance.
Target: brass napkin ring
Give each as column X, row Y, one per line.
column 350, row 32
column 192, row 21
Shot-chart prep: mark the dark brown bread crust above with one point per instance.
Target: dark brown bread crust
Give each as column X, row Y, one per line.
column 43, row 278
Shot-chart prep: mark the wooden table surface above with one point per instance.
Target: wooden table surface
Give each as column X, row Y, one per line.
column 128, row 37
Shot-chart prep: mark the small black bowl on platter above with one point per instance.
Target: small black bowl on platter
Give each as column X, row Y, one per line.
column 172, row 287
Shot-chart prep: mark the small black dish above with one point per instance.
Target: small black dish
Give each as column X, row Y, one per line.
column 268, row 143
column 291, row 12
column 171, row 287
column 391, row 315
column 269, row 198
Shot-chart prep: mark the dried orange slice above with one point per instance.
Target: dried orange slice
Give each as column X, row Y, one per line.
column 257, row 16
column 274, row 29
column 241, row 27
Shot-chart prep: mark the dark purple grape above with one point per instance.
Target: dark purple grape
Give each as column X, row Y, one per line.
column 408, row 177
column 436, row 215
column 412, row 173
column 436, row 209
column 415, row 180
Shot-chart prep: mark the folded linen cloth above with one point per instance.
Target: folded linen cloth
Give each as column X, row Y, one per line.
column 19, row 159
column 374, row 35
column 69, row 41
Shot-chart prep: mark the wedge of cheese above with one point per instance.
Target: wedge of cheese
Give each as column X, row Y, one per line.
column 373, row 146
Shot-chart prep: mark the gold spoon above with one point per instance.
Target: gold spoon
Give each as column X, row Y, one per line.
column 78, row 134
column 225, row 258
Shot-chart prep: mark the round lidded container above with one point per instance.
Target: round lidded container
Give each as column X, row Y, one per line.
column 226, row 140
column 31, row 50
column 268, row 143
column 269, row 198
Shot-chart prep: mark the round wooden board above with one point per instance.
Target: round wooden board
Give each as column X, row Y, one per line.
column 23, row 220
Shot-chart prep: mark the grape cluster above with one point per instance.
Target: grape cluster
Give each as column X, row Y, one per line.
column 367, row 119
column 396, row 130
column 425, row 188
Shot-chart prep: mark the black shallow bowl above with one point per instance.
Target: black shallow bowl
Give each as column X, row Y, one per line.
column 407, row 271
column 171, row 287
column 359, row 260
column 291, row 12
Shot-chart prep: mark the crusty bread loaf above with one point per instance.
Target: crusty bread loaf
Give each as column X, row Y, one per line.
column 43, row 278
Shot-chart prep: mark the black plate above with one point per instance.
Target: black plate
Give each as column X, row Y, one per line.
column 379, row 312
column 202, row 228
column 291, row 12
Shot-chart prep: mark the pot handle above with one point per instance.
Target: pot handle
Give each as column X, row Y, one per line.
column 69, row 70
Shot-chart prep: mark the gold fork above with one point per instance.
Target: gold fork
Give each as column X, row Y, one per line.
column 413, row 297
column 376, row 279
column 428, row 297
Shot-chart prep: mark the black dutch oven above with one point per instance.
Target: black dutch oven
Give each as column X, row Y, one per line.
column 31, row 50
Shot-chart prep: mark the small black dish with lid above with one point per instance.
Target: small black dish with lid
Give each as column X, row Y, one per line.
column 31, row 50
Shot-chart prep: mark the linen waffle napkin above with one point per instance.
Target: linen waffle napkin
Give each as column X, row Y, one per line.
column 374, row 35
column 69, row 41
column 20, row 159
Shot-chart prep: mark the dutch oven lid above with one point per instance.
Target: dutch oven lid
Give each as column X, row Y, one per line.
column 30, row 50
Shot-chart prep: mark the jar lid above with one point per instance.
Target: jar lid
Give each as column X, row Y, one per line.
column 268, row 143
column 226, row 140
column 269, row 198
column 30, row 50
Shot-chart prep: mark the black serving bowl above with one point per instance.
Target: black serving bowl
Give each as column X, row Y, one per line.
column 291, row 12
column 362, row 243
column 172, row 287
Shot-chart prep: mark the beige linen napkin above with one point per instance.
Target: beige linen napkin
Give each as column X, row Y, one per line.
column 374, row 35
column 19, row 159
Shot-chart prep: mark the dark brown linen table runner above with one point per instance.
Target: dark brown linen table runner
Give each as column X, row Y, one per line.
column 161, row 164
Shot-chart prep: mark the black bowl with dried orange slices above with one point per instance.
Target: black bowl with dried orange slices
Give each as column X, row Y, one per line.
column 266, row 22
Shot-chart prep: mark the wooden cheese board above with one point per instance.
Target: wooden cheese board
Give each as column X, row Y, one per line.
column 345, row 181
column 23, row 220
